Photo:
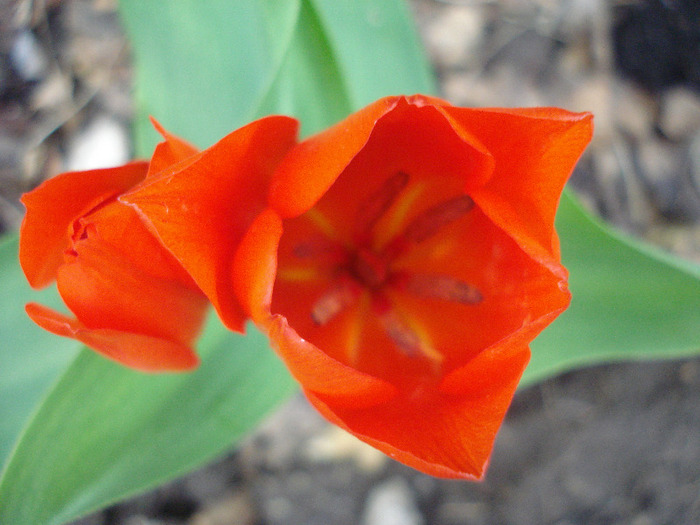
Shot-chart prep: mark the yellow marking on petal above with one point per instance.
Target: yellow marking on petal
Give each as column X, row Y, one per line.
column 390, row 227
column 322, row 223
column 356, row 326
column 298, row 274
column 432, row 220
column 426, row 346
column 439, row 251
column 442, row 250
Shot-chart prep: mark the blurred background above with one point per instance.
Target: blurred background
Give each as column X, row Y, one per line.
column 612, row 444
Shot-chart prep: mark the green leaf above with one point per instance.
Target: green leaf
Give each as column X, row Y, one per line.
column 307, row 74
column 206, row 68
column 630, row 301
column 375, row 48
column 203, row 68
column 344, row 55
column 30, row 359
column 106, row 432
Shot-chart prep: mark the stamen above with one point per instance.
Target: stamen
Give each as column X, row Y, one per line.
column 371, row 210
column 433, row 286
column 356, row 325
column 322, row 223
column 404, row 336
column 388, row 229
column 320, row 249
column 431, row 220
column 336, row 299
column 369, row 269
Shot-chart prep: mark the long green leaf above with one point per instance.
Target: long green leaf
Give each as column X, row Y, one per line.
column 376, row 49
column 630, row 301
column 30, row 358
column 204, row 68
column 106, row 432
column 307, row 74
column 344, row 55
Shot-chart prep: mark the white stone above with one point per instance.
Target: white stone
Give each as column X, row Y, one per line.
column 680, row 114
column 104, row 143
column 454, row 35
column 335, row 444
column 27, row 56
column 392, row 503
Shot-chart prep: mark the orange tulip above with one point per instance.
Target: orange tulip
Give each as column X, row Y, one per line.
column 405, row 260
column 133, row 302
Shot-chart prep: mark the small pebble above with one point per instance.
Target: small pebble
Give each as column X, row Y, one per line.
column 104, row 143
column 392, row 503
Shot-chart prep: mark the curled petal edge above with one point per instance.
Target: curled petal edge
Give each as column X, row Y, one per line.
column 171, row 151
column 333, row 149
column 524, row 206
column 465, row 423
column 141, row 352
column 189, row 206
column 55, row 204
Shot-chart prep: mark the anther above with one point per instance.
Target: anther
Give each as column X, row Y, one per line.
column 371, row 210
column 402, row 335
column 434, row 286
column 333, row 301
column 320, row 248
column 431, row 220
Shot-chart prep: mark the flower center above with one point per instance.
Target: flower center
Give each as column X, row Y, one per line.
column 369, row 269
column 362, row 269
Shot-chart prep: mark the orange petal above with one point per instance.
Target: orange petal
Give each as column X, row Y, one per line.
column 119, row 227
column 255, row 265
column 340, row 178
column 345, row 386
column 54, row 205
column 310, row 169
column 535, row 150
column 105, row 288
column 138, row 351
column 517, row 292
column 169, row 152
column 201, row 212
column 438, row 432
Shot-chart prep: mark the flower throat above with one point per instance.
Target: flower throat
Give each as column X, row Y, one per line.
column 362, row 272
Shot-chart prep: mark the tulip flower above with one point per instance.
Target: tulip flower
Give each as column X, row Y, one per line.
column 405, row 260
column 132, row 300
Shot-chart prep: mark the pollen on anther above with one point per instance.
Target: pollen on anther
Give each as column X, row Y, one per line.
column 376, row 205
column 435, row 286
column 334, row 301
column 433, row 219
column 407, row 336
column 318, row 248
